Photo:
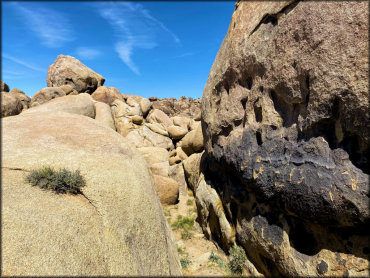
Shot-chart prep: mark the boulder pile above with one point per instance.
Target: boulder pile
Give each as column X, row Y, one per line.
column 131, row 155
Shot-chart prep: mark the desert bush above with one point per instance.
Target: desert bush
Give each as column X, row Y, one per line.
column 214, row 258
column 59, row 181
column 189, row 202
column 185, row 261
column 238, row 258
column 186, row 224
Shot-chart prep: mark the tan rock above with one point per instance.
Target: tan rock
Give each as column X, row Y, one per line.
column 193, row 141
column 210, row 211
column 10, row 105
column 69, row 90
column 192, row 169
column 182, row 121
column 138, row 120
column 174, row 160
column 153, row 155
column 176, row 172
column 17, row 91
column 145, row 106
column 107, row 230
column 168, row 190
column 160, row 169
column 103, row 114
column 67, row 70
column 157, row 116
column 176, row 132
column 146, row 138
column 4, row 87
column 157, row 128
column 107, row 94
column 46, row 94
column 81, row 104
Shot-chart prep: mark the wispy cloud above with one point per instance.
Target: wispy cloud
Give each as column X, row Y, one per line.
column 52, row 27
column 135, row 28
column 87, row 53
column 21, row 62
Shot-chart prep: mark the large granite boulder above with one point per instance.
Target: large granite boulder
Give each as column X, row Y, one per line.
column 285, row 117
column 107, row 94
column 4, row 87
column 46, row 94
column 81, row 104
column 116, row 227
column 67, row 70
column 10, row 104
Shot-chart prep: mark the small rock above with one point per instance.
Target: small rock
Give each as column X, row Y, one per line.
column 138, row 120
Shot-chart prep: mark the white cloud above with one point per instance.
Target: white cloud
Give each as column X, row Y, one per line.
column 52, row 27
column 135, row 28
column 124, row 51
column 21, row 62
column 88, row 53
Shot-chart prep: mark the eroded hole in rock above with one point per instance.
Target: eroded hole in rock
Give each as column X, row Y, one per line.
column 351, row 144
column 270, row 18
column 258, row 112
column 261, row 89
column 282, row 108
column 302, row 241
column 244, row 104
column 259, row 138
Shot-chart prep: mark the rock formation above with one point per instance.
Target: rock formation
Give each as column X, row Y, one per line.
column 67, row 70
column 115, row 228
column 285, row 119
column 173, row 107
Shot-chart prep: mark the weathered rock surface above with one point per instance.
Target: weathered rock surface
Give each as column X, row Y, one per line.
column 158, row 116
column 46, row 94
column 81, row 104
column 176, row 172
column 69, row 90
column 10, row 104
column 17, row 91
column 285, row 117
column 107, row 231
column 145, row 106
column 146, row 138
column 173, row 107
column 168, row 190
column 107, row 94
column 67, row 70
column 153, row 155
column 193, row 141
column 176, row 132
column 103, row 114
column 4, row 87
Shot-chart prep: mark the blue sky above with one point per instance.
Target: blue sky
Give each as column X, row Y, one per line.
column 163, row 49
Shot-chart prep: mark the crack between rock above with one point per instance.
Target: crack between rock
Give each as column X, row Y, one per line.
column 91, row 203
column 15, row 169
column 285, row 10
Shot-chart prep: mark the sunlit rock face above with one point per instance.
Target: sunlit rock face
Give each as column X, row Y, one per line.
column 285, row 119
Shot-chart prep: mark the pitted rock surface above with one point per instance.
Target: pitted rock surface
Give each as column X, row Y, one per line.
column 285, row 117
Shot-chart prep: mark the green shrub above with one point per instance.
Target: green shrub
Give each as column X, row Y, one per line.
column 238, row 258
column 183, row 221
column 185, row 261
column 214, row 258
column 60, row 181
column 189, row 202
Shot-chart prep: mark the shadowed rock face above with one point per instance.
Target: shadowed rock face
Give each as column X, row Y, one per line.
column 67, row 70
column 285, row 121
